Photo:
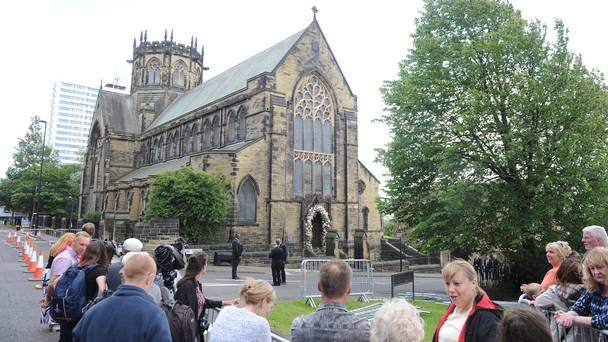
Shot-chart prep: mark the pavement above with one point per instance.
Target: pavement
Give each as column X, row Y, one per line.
column 19, row 299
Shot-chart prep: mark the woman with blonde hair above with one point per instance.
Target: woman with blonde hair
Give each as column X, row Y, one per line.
column 247, row 323
column 472, row 316
column 397, row 321
column 591, row 309
column 556, row 253
column 59, row 246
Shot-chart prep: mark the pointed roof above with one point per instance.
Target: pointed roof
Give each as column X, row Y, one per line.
column 228, row 82
column 117, row 112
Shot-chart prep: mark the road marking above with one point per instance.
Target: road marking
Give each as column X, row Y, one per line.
column 218, row 285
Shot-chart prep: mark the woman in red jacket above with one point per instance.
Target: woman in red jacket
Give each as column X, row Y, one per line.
column 472, row 316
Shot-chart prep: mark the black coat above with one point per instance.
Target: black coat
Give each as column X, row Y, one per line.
column 186, row 294
column 276, row 254
column 237, row 248
column 284, row 249
column 482, row 324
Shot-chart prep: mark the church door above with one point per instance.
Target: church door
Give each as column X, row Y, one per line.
column 317, row 231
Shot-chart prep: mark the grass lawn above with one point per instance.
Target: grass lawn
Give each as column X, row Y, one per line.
column 284, row 312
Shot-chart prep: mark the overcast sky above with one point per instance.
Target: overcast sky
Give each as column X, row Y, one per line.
column 87, row 41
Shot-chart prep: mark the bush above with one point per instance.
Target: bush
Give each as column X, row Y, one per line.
column 200, row 201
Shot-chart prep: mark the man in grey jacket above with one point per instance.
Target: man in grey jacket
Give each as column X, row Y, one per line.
column 331, row 321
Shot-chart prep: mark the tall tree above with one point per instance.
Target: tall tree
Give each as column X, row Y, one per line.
column 58, row 182
column 499, row 137
column 198, row 199
column 29, row 148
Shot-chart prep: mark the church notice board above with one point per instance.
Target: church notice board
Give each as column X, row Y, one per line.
column 402, row 278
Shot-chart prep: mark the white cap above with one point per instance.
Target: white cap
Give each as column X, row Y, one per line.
column 132, row 245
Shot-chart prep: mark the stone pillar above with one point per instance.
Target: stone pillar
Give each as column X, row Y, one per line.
column 331, row 243
column 361, row 250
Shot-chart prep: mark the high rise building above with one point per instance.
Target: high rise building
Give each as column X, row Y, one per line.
column 71, row 113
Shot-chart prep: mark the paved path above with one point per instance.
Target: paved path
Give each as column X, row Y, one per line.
column 19, row 300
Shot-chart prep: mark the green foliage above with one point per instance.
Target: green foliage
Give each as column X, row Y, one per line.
column 92, row 216
column 499, row 136
column 58, row 182
column 389, row 227
column 200, row 201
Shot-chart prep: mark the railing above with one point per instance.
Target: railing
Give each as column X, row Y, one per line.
column 362, row 279
column 575, row 333
column 212, row 316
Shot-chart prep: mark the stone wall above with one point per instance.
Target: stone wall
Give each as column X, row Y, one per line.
column 153, row 233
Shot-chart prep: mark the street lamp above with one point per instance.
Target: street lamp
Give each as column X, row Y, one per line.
column 39, row 185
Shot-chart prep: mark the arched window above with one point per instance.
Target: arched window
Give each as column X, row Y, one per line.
column 192, row 139
column 231, row 127
column 153, row 72
column 247, row 201
column 178, row 77
column 242, row 124
column 313, row 136
column 175, row 145
column 186, row 143
column 215, row 132
column 206, row 138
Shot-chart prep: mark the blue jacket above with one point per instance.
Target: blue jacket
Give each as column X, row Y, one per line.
column 130, row 315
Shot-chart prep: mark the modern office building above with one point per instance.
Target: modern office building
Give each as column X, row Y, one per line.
column 71, row 113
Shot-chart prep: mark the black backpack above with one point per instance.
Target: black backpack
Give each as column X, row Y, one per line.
column 182, row 321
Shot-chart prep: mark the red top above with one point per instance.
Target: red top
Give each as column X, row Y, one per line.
column 483, row 303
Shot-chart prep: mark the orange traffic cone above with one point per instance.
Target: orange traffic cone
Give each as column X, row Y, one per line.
column 25, row 254
column 39, row 269
column 18, row 242
column 8, row 238
column 32, row 265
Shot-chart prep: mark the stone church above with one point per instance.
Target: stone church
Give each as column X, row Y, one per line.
column 281, row 126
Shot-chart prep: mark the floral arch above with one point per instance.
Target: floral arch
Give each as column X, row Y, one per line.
column 308, row 226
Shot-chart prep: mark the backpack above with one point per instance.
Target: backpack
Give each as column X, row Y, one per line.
column 70, row 295
column 182, row 321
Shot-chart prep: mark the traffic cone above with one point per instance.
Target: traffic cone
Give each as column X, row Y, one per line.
column 26, row 252
column 18, row 242
column 39, row 269
column 27, row 256
column 32, row 265
column 8, row 238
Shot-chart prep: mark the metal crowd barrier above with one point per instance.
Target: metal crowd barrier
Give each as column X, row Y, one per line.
column 212, row 316
column 362, row 283
column 577, row 332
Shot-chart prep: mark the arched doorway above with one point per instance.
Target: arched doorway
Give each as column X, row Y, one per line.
column 317, row 231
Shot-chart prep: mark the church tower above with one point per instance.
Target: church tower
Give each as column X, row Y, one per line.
column 161, row 71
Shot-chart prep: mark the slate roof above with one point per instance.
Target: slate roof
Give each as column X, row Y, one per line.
column 155, row 169
column 118, row 112
column 226, row 83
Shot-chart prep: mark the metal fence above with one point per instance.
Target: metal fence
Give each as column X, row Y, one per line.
column 362, row 283
column 575, row 333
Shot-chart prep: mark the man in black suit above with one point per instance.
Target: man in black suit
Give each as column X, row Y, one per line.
column 276, row 255
column 237, row 251
column 285, row 254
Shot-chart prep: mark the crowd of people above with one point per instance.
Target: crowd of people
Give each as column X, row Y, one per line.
column 143, row 298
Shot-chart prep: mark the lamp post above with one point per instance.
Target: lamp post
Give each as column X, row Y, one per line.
column 39, row 185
